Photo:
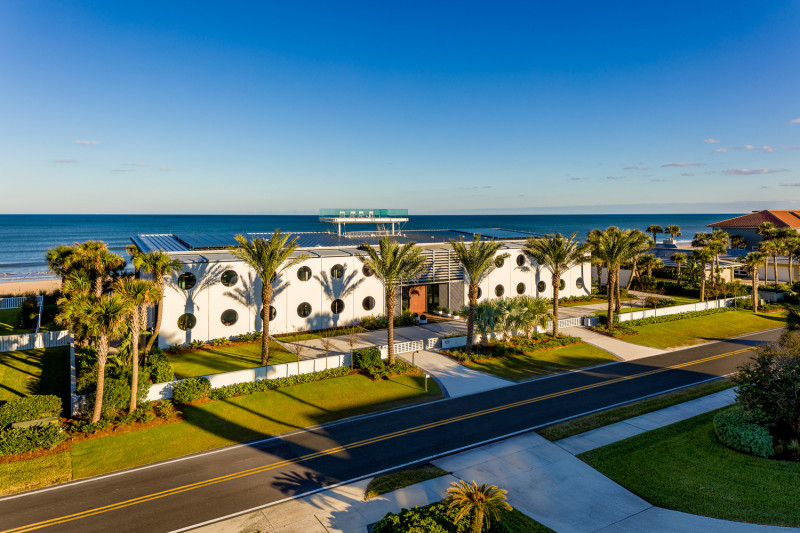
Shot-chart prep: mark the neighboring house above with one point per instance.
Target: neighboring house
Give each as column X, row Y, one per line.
column 217, row 295
column 746, row 225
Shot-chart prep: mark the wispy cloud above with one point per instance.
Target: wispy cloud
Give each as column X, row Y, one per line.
column 752, row 171
column 637, row 167
column 88, row 142
column 796, row 121
column 790, row 184
column 687, row 174
column 721, row 150
column 683, row 165
column 790, row 147
column 163, row 169
column 745, row 147
column 135, row 164
column 768, row 149
column 613, row 177
column 711, row 141
column 66, row 160
column 576, row 178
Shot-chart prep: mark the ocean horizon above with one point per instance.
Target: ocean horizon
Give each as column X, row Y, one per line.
column 25, row 238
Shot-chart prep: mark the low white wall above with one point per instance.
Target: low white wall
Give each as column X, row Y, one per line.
column 676, row 309
column 30, row 341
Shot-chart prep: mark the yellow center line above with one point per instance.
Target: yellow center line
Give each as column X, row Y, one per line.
column 357, row 444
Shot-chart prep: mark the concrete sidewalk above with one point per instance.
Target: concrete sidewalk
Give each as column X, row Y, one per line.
column 544, row 480
column 454, row 378
column 624, row 350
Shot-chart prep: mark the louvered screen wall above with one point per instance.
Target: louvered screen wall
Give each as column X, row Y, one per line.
column 440, row 265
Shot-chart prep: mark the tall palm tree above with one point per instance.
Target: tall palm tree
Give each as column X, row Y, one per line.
column 96, row 258
column 559, row 254
column 789, row 241
column 738, row 242
column 76, row 294
column 611, row 247
column 481, row 503
column 159, row 265
column 650, row 262
column 637, row 244
column 654, row 230
column 477, row 262
column 673, row 230
column 59, row 259
column 752, row 262
column 678, row 258
column 772, row 248
column 107, row 317
column 138, row 295
column 267, row 258
column 392, row 264
column 767, row 230
column 718, row 244
column 702, row 256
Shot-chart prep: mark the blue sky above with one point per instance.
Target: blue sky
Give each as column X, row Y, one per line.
column 194, row 107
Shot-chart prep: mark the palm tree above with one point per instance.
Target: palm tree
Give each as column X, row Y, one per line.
column 138, row 295
column 654, row 230
column 559, row 254
column 107, row 318
column 650, row 262
column 392, row 264
column 767, row 230
column 772, row 248
column 673, row 230
column 159, row 265
column 789, row 241
column 481, row 503
column 702, row 256
column 678, row 258
column 487, row 317
column 718, row 244
column 738, row 242
column 59, row 259
column 752, row 262
column 613, row 247
column 533, row 312
column 268, row 258
column 637, row 243
column 477, row 262
column 77, row 293
column 95, row 257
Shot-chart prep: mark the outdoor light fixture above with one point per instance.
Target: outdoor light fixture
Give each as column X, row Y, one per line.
column 426, row 381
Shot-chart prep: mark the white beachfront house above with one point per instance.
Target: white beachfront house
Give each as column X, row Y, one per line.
column 217, row 295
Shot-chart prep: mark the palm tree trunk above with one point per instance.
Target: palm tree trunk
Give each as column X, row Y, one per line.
column 703, row 283
column 390, row 323
column 791, row 277
column 472, row 295
column 266, row 301
column 159, row 314
column 102, row 357
column 679, row 275
column 477, row 521
column 556, row 279
column 755, row 290
column 775, row 267
column 98, row 286
column 610, row 290
column 633, row 272
column 135, row 359
column 617, row 292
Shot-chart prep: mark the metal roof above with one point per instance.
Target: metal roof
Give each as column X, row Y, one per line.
column 497, row 233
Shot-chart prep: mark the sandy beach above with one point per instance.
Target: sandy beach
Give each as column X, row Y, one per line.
column 21, row 287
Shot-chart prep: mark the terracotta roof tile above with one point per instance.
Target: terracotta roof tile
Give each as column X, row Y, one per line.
column 780, row 219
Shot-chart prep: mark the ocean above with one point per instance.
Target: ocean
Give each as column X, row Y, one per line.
column 24, row 239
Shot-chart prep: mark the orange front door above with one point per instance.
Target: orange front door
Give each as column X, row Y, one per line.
column 417, row 300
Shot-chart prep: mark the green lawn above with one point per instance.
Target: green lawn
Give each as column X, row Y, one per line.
column 403, row 478
column 683, row 467
column 42, row 371
column 690, row 331
column 543, row 362
column 213, row 360
column 8, row 323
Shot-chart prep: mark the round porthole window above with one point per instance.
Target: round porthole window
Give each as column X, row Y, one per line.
column 499, row 290
column 368, row 304
column 337, row 306
column 229, row 317
column 186, row 281
column 304, row 274
column 480, row 293
column 337, row 271
column 187, row 321
column 229, row 278
column 579, row 283
column 520, row 260
column 367, row 271
column 520, row 288
column 562, row 285
column 541, row 286
column 499, row 262
column 272, row 313
column 304, row 310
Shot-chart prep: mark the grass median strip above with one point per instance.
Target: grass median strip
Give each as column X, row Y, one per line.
column 543, row 362
column 684, row 467
column 403, row 478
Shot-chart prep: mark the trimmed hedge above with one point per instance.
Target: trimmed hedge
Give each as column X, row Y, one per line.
column 367, row 357
column 159, row 367
column 29, row 408
column 21, row 440
column 517, row 346
column 240, row 389
column 735, row 429
column 191, row 389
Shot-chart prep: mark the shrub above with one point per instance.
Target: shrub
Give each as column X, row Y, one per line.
column 374, row 322
column 158, row 368
column 191, row 389
column 780, row 287
column 173, row 348
column 735, row 429
column 440, row 518
column 366, row 357
column 29, row 313
column 193, row 345
column 86, row 427
column 251, row 387
column 21, row 440
column 165, row 409
column 218, row 342
column 29, row 408
column 246, row 337
column 117, row 393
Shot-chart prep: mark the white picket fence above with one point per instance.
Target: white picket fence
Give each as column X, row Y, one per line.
column 15, row 302
column 29, row 341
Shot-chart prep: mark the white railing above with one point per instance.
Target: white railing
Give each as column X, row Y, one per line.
column 15, row 302
column 404, row 347
column 30, row 341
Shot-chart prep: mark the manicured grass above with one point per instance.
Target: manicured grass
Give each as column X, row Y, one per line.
column 246, row 418
column 8, row 323
column 213, row 360
column 683, row 467
column 582, row 302
column 690, row 331
column 403, row 478
column 32, row 474
column 543, row 362
column 339, row 332
column 575, row 426
column 41, row 371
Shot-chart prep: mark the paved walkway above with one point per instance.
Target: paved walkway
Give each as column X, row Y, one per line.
column 544, row 480
column 626, row 351
column 454, row 378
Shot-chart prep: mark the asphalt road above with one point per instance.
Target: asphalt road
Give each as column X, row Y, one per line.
column 179, row 493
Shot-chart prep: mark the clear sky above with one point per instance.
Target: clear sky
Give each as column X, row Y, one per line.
column 438, row 107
